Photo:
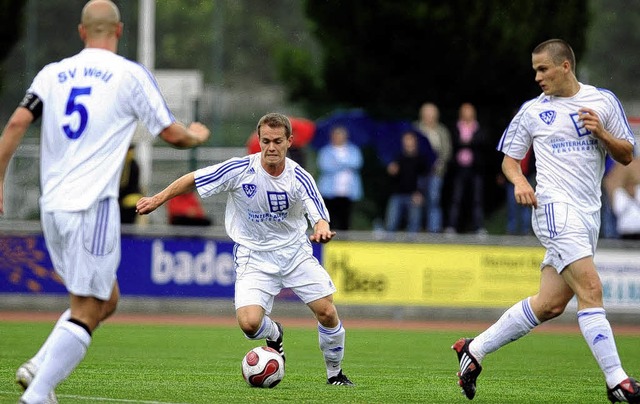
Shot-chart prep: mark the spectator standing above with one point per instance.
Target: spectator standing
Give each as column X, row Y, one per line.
column 406, row 202
column 608, row 228
column 469, row 141
column 439, row 138
column 89, row 104
column 270, row 201
column 340, row 184
column 622, row 186
column 572, row 127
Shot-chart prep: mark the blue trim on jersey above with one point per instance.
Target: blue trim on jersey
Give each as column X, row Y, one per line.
column 551, row 220
column 307, row 183
column 222, row 170
column 520, row 115
column 528, row 313
column 155, row 84
column 629, row 134
column 100, row 229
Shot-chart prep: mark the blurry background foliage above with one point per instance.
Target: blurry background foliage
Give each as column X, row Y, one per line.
column 312, row 57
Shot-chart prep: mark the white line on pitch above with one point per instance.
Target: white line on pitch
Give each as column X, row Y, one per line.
column 93, row 399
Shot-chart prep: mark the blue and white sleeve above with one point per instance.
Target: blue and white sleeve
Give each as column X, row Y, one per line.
column 516, row 138
column 219, row 177
column 311, row 197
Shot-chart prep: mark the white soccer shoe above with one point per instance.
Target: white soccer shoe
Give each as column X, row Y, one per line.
column 24, row 376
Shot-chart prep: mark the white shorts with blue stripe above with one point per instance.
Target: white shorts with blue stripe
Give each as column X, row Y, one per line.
column 261, row 275
column 566, row 233
column 85, row 247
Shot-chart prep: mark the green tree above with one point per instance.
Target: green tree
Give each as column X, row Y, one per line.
column 388, row 56
column 11, row 23
column 612, row 60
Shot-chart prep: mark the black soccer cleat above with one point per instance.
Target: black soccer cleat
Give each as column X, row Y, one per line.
column 627, row 391
column 469, row 367
column 340, row 380
column 277, row 344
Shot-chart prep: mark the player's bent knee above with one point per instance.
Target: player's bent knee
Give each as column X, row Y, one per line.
column 108, row 309
column 551, row 311
column 249, row 325
column 327, row 316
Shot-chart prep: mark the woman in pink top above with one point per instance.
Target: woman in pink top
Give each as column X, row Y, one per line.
column 468, row 166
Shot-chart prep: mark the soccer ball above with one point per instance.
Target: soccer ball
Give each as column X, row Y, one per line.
column 262, row 367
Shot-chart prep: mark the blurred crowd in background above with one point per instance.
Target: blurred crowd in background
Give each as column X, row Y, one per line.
column 412, row 176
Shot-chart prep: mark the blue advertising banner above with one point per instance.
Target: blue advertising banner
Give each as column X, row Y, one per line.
column 25, row 266
column 176, row 267
column 150, row 266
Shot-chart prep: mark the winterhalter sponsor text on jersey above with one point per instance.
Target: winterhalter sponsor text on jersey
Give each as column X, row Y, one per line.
column 271, row 217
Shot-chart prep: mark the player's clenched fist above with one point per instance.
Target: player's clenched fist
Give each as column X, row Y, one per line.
column 146, row 205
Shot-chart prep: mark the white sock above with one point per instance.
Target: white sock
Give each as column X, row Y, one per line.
column 39, row 356
column 268, row 329
column 515, row 323
column 332, row 346
column 68, row 346
column 597, row 332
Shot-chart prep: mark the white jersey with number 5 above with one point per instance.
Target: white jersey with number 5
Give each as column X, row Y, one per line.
column 570, row 161
column 91, row 104
column 263, row 212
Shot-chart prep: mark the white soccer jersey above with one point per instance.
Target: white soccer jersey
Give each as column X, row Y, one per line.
column 569, row 160
column 263, row 212
column 91, row 104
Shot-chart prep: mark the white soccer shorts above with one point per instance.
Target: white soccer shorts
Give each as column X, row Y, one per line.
column 85, row 247
column 566, row 233
column 261, row 275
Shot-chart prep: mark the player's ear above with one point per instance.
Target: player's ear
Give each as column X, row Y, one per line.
column 82, row 32
column 119, row 30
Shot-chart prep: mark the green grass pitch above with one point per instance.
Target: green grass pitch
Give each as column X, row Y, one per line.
column 201, row 364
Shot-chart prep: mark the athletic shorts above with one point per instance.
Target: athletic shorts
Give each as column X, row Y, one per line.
column 261, row 275
column 85, row 247
column 566, row 233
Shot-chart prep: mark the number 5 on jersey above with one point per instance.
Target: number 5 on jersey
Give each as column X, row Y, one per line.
column 74, row 106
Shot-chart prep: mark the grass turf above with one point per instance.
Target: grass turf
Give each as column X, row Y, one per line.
column 201, row 364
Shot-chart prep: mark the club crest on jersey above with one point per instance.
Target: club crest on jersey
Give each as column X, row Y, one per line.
column 579, row 125
column 249, row 190
column 278, row 201
column 548, row 117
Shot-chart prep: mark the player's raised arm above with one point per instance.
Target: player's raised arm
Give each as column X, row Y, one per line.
column 183, row 137
column 182, row 185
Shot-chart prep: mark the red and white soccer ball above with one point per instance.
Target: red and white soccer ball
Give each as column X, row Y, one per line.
column 262, row 367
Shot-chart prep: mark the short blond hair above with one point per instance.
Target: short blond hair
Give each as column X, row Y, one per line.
column 275, row 120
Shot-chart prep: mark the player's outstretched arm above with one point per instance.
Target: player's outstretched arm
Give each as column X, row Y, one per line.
column 183, row 137
column 181, row 186
column 322, row 232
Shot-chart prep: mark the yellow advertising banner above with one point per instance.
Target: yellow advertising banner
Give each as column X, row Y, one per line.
column 432, row 275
